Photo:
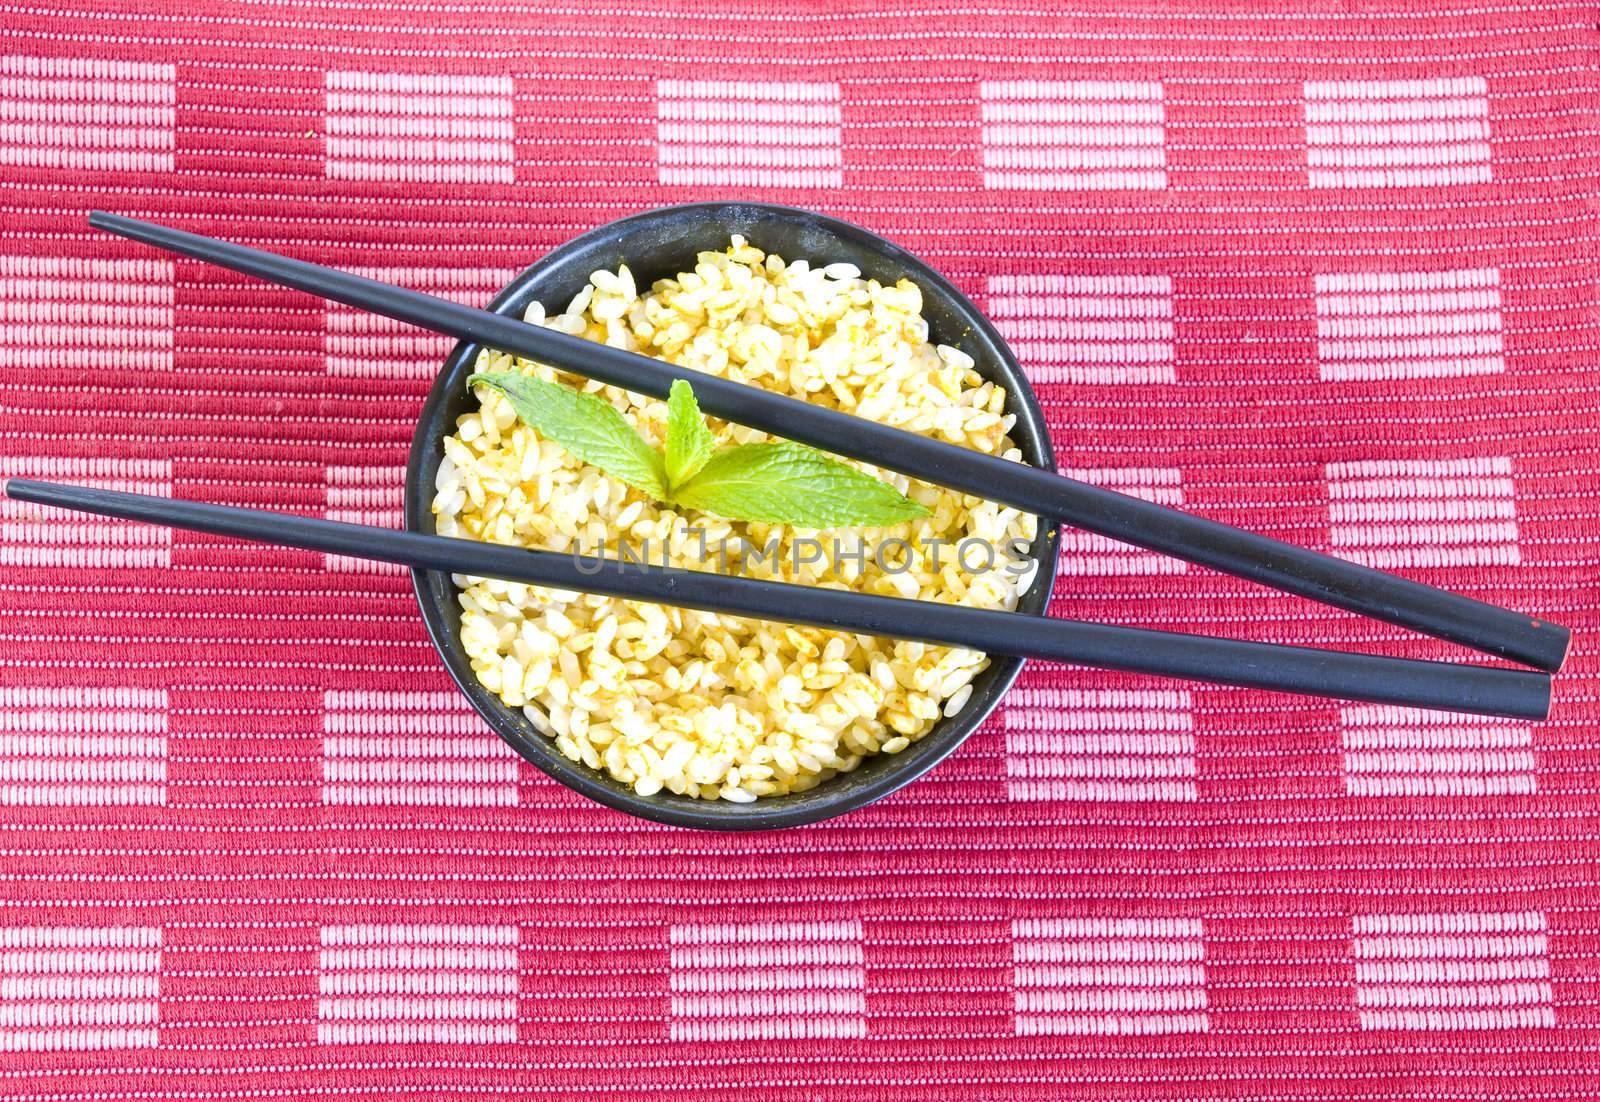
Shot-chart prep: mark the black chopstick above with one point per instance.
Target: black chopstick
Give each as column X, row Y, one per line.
column 1521, row 694
column 1484, row 627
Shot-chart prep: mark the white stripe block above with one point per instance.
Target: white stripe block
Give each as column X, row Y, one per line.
column 1402, row 513
column 1409, row 325
column 446, row 110
column 1372, row 115
column 1405, row 133
column 742, row 133
column 797, row 153
column 1391, row 751
column 31, row 535
column 1094, row 744
column 750, row 134
column 1052, row 112
column 1087, row 329
column 1108, row 976
column 427, row 128
column 39, row 987
column 67, row 313
column 1453, row 971
column 774, row 980
column 1401, row 177
column 71, row 113
column 412, row 154
column 677, row 115
column 1086, row 554
column 1072, row 90
column 79, row 937
column 1039, row 155
column 79, row 987
column 737, row 90
column 417, row 984
column 365, row 495
column 1360, row 90
column 1399, row 133
column 1073, row 135
column 1372, row 152
column 361, row 345
column 350, row 128
column 86, row 961
column 1016, row 136
column 87, row 747
column 412, row 749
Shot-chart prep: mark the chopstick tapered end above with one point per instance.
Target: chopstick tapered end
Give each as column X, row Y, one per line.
column 1566, row 643
column 112, row 223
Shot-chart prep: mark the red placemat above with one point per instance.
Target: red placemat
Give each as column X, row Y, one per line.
column 1325, row 271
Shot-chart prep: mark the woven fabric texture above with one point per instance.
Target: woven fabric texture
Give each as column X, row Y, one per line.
column 1326, row 271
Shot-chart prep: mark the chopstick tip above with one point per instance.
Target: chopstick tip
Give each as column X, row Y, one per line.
column 1566, row 645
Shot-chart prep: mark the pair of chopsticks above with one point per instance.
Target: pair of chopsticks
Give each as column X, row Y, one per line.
column 1493, row 630
column 1521, row 694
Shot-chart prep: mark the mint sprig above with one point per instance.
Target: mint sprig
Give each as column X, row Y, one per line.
column 689, row 439
column 587, row 425
column 788, row 483
column 780, row 483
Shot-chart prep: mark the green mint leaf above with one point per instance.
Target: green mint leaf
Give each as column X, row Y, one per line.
column 689, row 441
column 787, row 483
column 587, row 425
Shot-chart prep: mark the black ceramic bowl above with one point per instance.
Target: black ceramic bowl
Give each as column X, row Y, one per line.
column 662, row 243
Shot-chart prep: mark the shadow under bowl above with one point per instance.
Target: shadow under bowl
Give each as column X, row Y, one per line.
column 662, row 243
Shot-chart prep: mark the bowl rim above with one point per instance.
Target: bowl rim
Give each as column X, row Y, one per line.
column 768, row 813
